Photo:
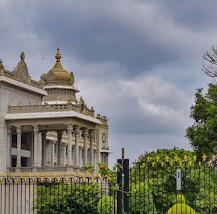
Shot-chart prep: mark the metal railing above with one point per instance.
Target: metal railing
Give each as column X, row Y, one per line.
column 81, row 195
column 149, row 187
column 172, row 187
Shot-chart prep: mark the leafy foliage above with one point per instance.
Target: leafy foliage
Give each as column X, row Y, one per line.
column 203, row 133
column 107, row 205
column 68, row 198
column 142, row 199
column 88, row 167
column 111, row 174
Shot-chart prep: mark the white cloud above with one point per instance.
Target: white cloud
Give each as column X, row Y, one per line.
column 152, row 89
column 148, row 102
column 158, row 110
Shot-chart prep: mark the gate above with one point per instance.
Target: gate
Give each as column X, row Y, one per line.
column 166, row 187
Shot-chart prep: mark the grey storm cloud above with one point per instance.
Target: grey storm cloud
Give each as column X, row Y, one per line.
column 137, row 62
column 101, row 32
column 138, row 35
column 195, row 15
column 127, row 32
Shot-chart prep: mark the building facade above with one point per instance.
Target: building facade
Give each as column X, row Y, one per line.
column 43, row 127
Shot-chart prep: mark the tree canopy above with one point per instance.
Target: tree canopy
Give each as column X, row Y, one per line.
column 203, row 133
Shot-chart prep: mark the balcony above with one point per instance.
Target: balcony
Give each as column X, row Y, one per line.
column 51, row 108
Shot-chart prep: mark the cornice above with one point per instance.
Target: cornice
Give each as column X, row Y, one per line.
column 23, row 85
column 61, row 87
column 49, row 115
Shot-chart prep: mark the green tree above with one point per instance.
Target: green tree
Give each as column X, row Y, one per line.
column 203, row 133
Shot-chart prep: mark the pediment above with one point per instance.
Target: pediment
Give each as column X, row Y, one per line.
column 21, row 73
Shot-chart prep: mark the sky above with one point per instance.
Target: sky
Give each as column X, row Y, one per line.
column 136, row 61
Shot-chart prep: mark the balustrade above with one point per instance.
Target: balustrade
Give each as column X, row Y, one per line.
column 50, row 108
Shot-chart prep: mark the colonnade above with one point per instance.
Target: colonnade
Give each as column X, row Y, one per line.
column 42, row 151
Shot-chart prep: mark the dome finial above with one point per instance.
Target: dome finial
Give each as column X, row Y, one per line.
column 58, row 57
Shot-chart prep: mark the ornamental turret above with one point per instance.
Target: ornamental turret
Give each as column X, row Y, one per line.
column 59, row 84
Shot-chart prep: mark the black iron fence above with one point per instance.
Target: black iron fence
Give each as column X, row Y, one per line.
column 187, row 186
column 148, row 187
column 77, row 194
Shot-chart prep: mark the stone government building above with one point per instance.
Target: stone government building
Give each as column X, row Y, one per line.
column 43, row 127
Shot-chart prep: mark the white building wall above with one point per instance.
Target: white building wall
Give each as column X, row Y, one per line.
column 14, row 96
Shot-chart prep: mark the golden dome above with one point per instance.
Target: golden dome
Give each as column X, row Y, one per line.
column 58, row 75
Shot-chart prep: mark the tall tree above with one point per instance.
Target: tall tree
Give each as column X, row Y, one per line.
column 203, row 133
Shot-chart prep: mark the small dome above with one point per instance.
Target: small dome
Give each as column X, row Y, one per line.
column 58, row 75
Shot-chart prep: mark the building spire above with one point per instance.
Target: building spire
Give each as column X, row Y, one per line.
column 58, row 57
column 1, row 68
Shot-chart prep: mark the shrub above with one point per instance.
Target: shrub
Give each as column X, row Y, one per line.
column 142, row 199
column 107, row 205
column 68, row 198
column 181, row 207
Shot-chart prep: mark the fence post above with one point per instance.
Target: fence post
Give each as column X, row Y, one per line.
column 126, row 185
column 119, row 193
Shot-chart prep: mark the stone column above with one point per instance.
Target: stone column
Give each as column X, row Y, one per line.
column 52, row 152
column 59, row 138
column 47, row 153
column 73, row 154
column 43, row 136
column 19, row 132
column 77, row 133
column 102, row 157
column 35, row 161
column 64, row 154
column 31, row 148
column 106, row 159
column 39, row 150
column 91, row 147
column 85, row 145
column 80, row 156
column 69, row 148
column 9, row 145
column 94, row 158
